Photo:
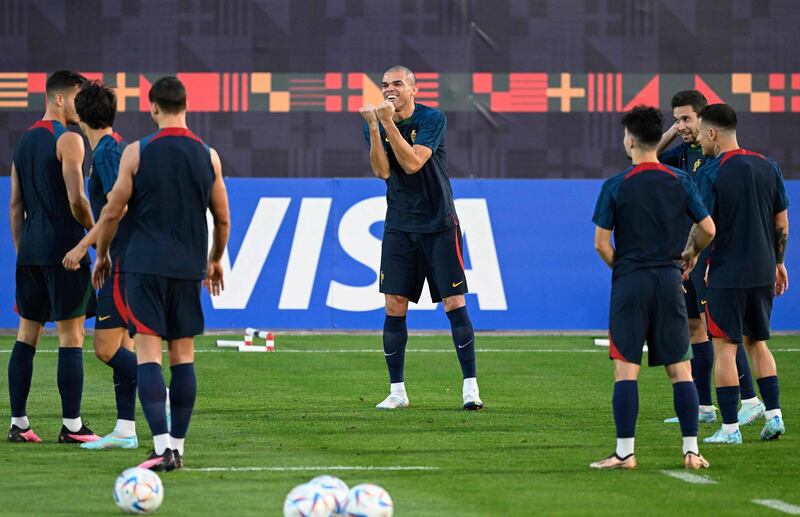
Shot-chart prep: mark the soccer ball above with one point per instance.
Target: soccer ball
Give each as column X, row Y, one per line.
column 336, row 488
column 369, row 501
column 138, row 491
column 309, row 501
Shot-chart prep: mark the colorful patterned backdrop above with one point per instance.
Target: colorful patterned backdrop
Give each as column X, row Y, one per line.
column 532, row 88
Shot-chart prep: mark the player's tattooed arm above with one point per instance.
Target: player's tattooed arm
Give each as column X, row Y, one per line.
column 411, row 158
column 603, row 246
column 16, row 209
column 781, row 238
column 700, row 236
column 781, row 235
column 377, row 154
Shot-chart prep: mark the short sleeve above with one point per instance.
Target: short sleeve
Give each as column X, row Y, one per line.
column 781, row 201
column 107, row 168
column 431, row 130
column 604, row 209
column 696, row 208
column 706, row 188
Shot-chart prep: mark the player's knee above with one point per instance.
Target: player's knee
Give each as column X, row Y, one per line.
column 396, row 305
column 452, row 303
column 104, row 349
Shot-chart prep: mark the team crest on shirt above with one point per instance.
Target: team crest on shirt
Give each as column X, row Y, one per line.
column 413, row 135
column 697, row 165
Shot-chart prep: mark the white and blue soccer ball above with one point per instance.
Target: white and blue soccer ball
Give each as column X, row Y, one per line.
column 309, row 500
column 369, row 500
column 337, row 488
column 138, row 491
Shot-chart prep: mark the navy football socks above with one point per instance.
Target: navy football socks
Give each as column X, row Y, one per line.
column 702, row 366
column 20, row 372
column 686, row 405
column 626, row 407
column 728, row 400
column 70, row 381
column 395, row 336
column 182, row 394
column 125, row 372
column 746, row 388
column 463, row 340
column 153, row 395
column 770, row 392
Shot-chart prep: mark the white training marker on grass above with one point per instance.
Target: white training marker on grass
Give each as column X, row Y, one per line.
column 694, row 479
column 224, row 343
column 307, row 469
column 777, row 504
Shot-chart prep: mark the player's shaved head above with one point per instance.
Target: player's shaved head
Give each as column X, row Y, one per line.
column 644, row 124
column 62, row 81
column 169, row 94
column 96, row 105
column 411, row 79
column 720, row 116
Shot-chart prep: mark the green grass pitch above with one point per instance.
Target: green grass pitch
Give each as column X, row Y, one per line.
column 547, row 416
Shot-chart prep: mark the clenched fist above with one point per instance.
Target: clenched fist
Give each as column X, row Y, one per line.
column 368, row 113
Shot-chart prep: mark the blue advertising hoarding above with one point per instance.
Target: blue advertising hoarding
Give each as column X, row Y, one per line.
column 305, row 254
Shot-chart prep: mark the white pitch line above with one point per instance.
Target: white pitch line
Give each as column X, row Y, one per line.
column 694, row 479
column 307, row 469
column 777, row 504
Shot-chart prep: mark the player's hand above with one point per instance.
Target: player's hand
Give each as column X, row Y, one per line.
column 102, row 271
column 781, row 279
column 689, row 262
column 385, row 112
column 72, row 260
column 214, row 281
column 368, row 113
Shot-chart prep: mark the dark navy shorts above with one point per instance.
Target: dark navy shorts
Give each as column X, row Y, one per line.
column 698, row 280
column 51, row 293
column 733, row 313
column 112, row 312
column 161, row 306
column 407, row 259
column 648, row 305
column 692, row 302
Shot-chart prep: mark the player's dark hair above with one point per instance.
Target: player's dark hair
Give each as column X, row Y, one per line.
column 405, row 70
column 62, row 80
column 169, row 93
column 645, row 124
column 96, row 105
column 720, row 116
column 692, row 98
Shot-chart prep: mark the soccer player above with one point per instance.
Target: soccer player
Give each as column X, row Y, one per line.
column 168, row 180
column 745, row 194
column 646, row 207
column 49, row 212
column 688, row 156
column 96, row 106
column 422, row 235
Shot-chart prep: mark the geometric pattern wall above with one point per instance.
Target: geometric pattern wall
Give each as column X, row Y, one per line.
column 531, row 88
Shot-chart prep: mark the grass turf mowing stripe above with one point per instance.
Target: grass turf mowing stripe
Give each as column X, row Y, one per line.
column 777, row 504
column 310, row 469
column 694, row 479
